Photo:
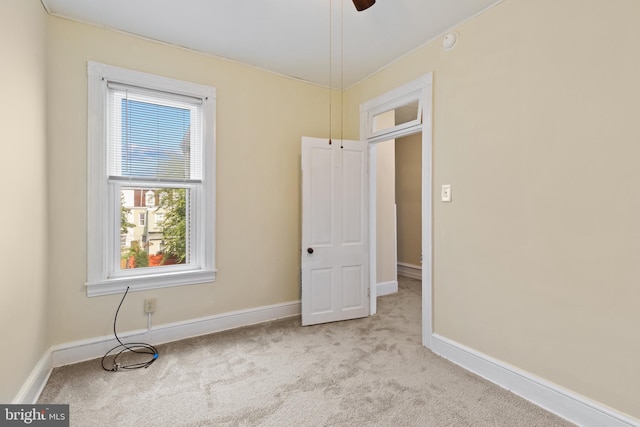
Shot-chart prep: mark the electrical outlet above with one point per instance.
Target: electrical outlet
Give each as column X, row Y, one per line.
column 149, row 305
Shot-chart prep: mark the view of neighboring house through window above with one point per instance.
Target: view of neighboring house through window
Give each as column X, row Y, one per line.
column 154, row 241
column 157, row 174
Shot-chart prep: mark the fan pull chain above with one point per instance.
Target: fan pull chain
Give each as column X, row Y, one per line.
column 330, row 66
column 341, row 72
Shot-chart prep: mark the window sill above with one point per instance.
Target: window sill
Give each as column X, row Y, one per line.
column 147, row 282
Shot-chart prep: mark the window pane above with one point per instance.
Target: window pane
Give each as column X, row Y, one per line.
column 153, row 226
column 396, row 117
column 156, row 140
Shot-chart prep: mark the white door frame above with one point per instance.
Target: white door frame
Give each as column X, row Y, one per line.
column 422, row 90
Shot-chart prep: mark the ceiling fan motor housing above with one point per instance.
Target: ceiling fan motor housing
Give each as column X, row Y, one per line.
column 363, row 4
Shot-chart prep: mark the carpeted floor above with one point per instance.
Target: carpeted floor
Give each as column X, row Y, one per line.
column 366, row 372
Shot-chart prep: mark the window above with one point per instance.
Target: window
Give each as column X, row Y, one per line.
column 150, row 198
column 393, row 117
column 142, row 218
column 151, row 190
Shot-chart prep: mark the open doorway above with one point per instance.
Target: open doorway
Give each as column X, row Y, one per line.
column 398, row 212
column 412, row 101
column 408, row 195
column 386, row 219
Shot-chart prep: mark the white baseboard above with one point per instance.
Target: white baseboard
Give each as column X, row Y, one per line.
column 410, row 270
column 564, row 403
column 549, row 396
column 32, row 387
column 79, row 351
column 386, row 288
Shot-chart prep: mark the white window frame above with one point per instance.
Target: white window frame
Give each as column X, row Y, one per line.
column 387, row 103
column 103, row 209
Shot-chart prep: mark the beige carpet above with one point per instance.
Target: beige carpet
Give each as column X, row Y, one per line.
column 367, row 372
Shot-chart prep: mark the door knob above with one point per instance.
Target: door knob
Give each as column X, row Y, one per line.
column 309, row 251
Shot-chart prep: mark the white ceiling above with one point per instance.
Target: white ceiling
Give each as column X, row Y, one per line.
column 290, row 37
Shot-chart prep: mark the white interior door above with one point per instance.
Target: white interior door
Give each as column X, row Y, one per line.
column 335, row 247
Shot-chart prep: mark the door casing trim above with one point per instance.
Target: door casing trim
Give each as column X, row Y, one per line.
column 423, row 89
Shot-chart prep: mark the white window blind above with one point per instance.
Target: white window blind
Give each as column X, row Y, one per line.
column 153, row 136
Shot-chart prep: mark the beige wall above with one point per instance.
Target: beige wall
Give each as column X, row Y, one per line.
column 261, row 118
column 23, row 290
column 386, row 204
column 409, row 198
column 536, row 128
column 385, row 212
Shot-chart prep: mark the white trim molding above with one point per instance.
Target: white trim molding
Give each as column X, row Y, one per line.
column 33, row 386
column 150, row 281
column 82, row 350
column 105, row 180
column 79, row 351
column 552, row 397
column 410, row 270
column 422, row 90
column 386, row 288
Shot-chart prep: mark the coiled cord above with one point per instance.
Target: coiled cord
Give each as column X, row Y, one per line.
column 117, row 351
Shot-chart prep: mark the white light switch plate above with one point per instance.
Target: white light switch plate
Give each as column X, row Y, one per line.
column 446, row 193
